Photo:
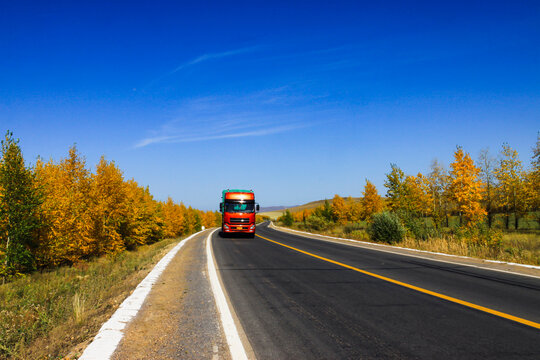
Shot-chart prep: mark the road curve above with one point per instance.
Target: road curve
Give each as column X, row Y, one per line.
column 294, row 305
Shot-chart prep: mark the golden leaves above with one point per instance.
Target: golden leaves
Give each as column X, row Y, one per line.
column 466, row 188
column 92, row 214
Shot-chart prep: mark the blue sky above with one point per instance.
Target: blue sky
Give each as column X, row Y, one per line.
column 295, row 101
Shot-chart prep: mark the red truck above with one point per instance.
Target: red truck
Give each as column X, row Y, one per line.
column 238, row 210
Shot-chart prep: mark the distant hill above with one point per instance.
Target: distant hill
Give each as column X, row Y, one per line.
column 275, row 213
column 274, row 208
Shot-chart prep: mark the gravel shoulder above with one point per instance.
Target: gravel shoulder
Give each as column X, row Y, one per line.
column 179, row 319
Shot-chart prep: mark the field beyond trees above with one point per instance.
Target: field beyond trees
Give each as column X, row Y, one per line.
column 489, row 209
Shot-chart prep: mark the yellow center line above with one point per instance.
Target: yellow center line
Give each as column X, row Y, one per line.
column 409, row 286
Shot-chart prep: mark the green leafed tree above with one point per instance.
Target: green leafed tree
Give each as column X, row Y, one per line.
column 287, row 218
column 20, row 201
column 397, row 188
column 509, row 174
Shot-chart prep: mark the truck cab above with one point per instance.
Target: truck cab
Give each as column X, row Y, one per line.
column 238, row 210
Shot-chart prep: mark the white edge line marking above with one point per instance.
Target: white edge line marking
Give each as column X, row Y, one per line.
column 359, row 243
column 229, row 328
column 104, row 344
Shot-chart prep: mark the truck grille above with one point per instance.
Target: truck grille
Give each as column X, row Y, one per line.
column 240, row 220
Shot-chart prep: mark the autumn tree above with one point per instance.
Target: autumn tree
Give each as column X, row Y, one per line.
column 417, row 199
column 438, row 181
column 354, row 210
column 466, row 187
column 211, row 219
column 192, row 220
column 371, row 200
column 510, row 189
column 486, row 164
column 174, row 218
column 339, row 210
column 108, row 208
column 305, row 214
column 66, row 210
column 20, row 200
column 144, row 223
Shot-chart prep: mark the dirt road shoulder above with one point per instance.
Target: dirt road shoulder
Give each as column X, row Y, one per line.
column 179, row 319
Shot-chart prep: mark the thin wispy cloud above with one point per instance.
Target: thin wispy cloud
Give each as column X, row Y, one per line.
column 184, row 139
column 263, row 113
column 203, row 58
column 211, row 56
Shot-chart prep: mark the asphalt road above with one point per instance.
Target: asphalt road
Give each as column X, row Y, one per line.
column 295, row 306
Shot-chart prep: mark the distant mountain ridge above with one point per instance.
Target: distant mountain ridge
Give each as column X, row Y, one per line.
column 277, row 211
column 275, row 208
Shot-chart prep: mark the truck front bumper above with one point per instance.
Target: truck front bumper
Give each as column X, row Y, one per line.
column 227, row 228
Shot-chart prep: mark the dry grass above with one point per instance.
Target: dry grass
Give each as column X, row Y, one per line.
column 46, row 315
column 78, row 308
column 518, row 248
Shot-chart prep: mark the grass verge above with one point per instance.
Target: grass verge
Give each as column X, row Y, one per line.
column 522, row 248
column 53, row 315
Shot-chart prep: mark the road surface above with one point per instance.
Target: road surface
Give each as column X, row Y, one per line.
column 294, row 305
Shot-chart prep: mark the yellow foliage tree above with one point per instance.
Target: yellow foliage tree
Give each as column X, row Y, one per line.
column 339, row 209
column 211, row 219
column 510, row 189
column 418, row 199
column 143, row 223
column 174, row 218
column 466, row 188
column 109, row 208
column 354, row 210
column 66, row 210
column 371, row 200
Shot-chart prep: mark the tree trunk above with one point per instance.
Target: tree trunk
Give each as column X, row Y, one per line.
column 6, row 260
column 7, row 252
column 507, row 220
column 516, row 220
column 489, row 213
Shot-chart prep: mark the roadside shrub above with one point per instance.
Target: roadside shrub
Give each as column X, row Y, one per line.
column 315, row 222
column 287, row 218
column 386, row 227
column 349, row 228
column 416, row 226
column 359, row 235
column 481, row 234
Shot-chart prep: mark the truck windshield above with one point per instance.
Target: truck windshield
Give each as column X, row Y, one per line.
column 239, row 207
